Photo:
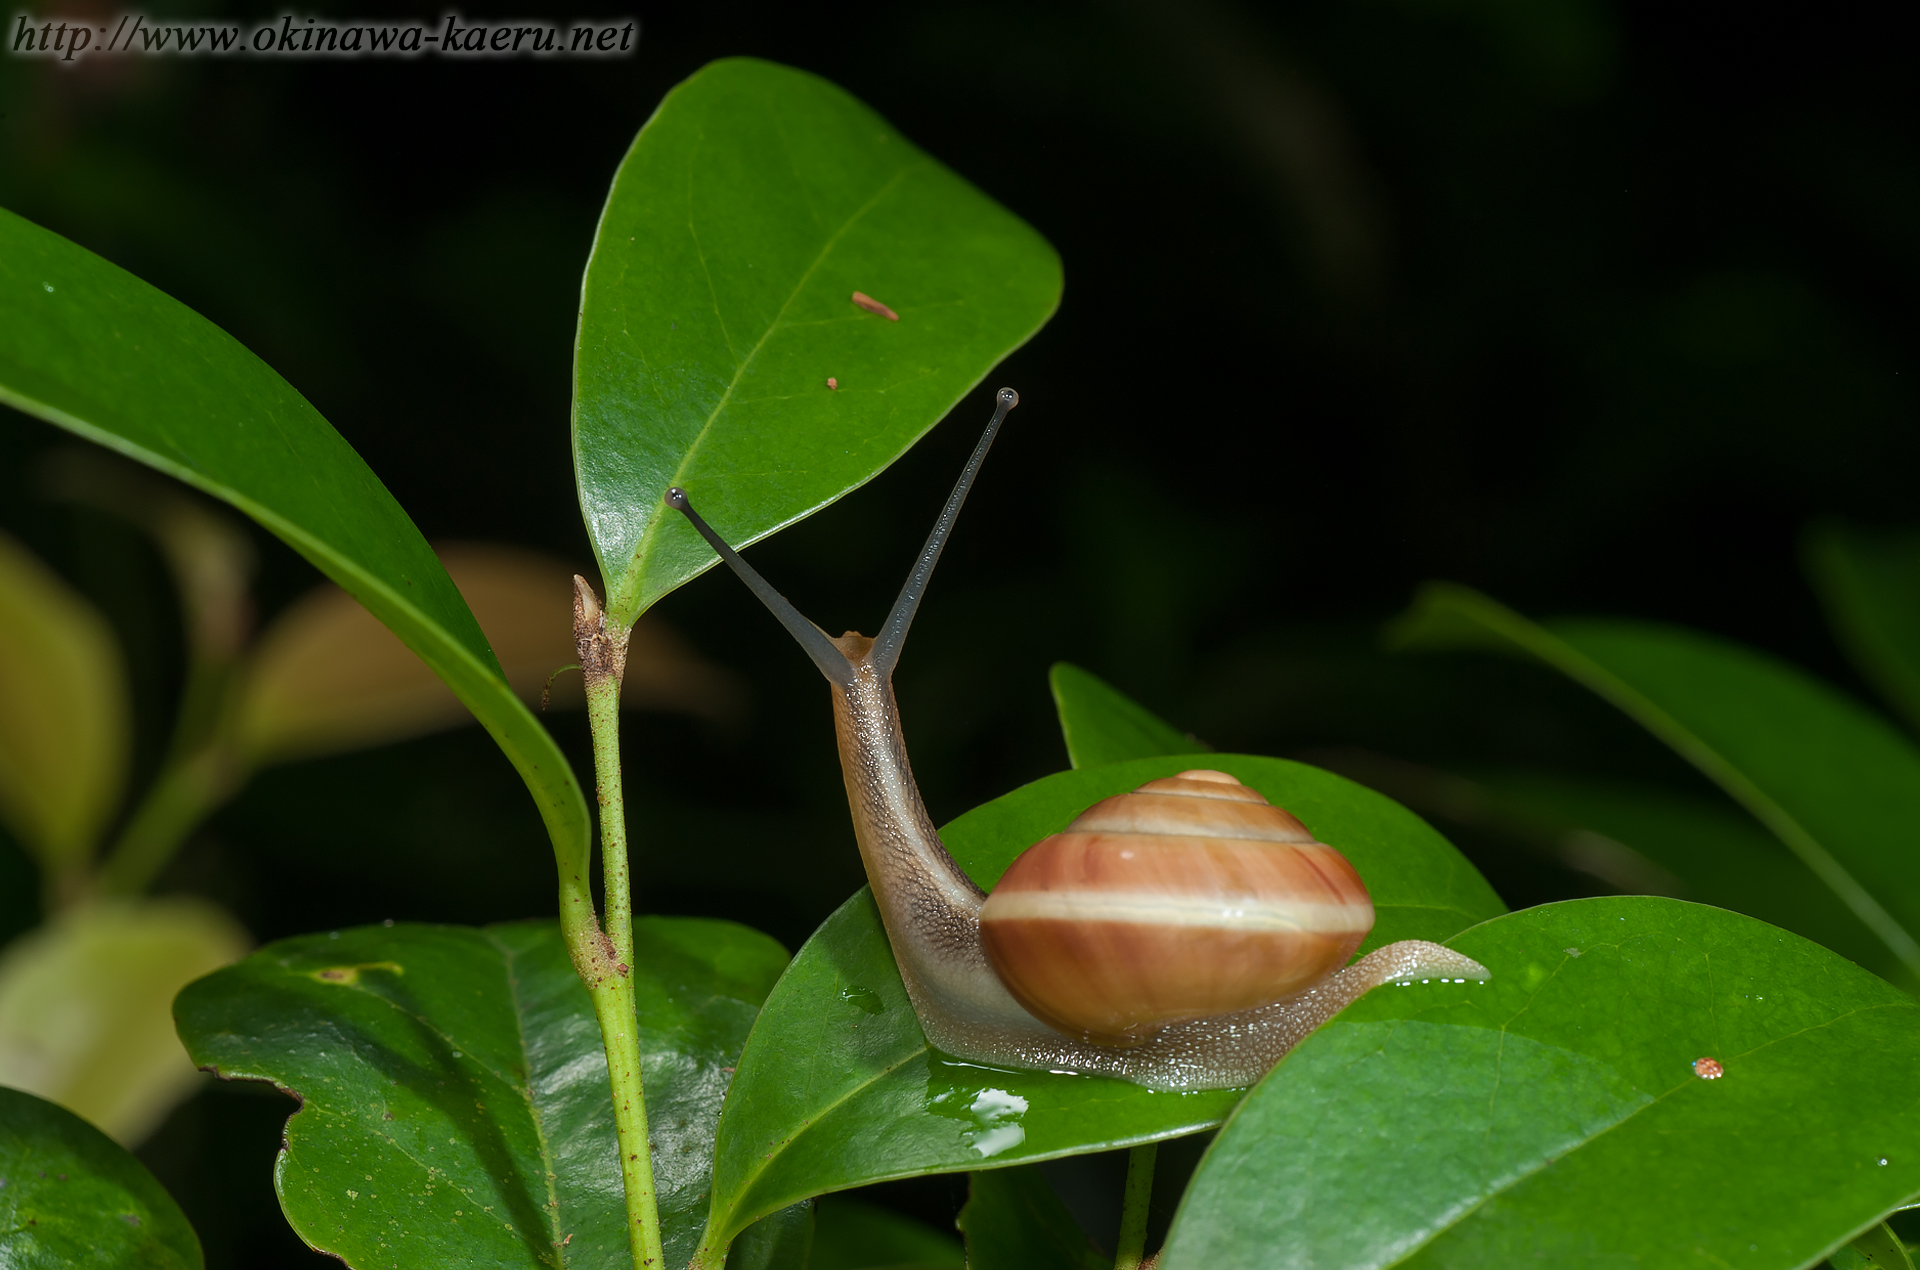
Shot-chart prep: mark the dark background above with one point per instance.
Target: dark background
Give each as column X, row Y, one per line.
column 1592, row 306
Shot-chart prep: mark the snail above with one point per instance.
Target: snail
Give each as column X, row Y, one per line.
column 1184, row 936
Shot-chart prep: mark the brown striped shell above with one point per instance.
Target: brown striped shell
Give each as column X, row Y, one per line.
column 1191, row 896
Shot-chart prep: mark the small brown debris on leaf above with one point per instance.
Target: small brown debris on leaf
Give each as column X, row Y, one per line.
column 1708, row 1068
column 832, row 382
column 872, row 305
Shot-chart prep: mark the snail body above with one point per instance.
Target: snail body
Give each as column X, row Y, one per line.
column 1185, row 936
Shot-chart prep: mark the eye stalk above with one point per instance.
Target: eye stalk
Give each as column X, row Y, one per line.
column 885, row 652
column 886, row 646
column 820, row 647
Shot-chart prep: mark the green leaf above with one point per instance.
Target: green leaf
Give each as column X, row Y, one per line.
column 851, row 1234
column 86, row 1003
column 65, row 725
column 837, row 1087
column 1717, row 854
column 1878, row 1249
column 840, row 1233
column 1644, row 840
column 93, row 349
column 456, row 1108
column 1014, row 1221
column 1554, row 1115
column 73, row 1199
column 1835, row 782
column 1102, row 725
column 1870, row 584
column 751, row 207
column 778, row 1241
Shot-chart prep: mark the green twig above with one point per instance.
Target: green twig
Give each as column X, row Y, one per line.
column 186, row 790
column 200, row 773
column 607, row 967
column 1133, row 1209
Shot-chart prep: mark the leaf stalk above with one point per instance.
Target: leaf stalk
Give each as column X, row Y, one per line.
column 1132, row 1243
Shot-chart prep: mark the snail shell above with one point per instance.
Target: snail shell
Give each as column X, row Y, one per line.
column 1190, row 897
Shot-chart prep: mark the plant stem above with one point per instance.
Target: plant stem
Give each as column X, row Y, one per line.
column 187, row 788
column 603, row 716
column 1133, row 1208
column 202, row 770
column 607, row 969
column 613, row 1006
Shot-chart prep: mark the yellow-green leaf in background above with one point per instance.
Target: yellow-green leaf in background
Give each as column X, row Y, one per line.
column 206, row 550
column 86, row 1007
column 64, row 723
column 329, row 677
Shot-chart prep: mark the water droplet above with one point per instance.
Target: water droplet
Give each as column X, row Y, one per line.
column 864, row 998
column 48, row 286
column 996, row 1140
column 997, row 1104
column 998, row 1113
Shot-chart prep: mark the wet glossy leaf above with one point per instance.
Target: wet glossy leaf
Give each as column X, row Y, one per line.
column 65, row 725
column 851, row 1234
column 1835, row 782
column 1557, row 1115
column 717, row 305
column 1870, row 584
column 93, row 349
column 86, row 1006
column 837, row 1087
column 456, row 1108
column 73, row 1199
column 1102, row 725
column 1014, row 1221
column 328, row 677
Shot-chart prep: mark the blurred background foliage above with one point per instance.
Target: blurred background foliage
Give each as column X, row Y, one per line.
column 1596, row 307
